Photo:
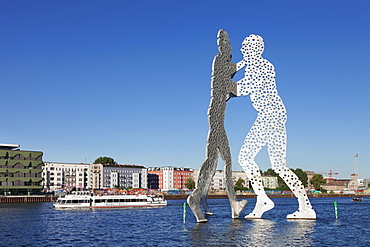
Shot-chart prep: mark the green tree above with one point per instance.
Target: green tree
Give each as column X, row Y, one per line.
column 317, row 180
column 240, row 182
column 240, row 185
column 105, row 161
column 301, row 175
column 282, row 185
column 190, row 183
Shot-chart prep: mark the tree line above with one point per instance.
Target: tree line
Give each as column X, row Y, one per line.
column 317, row 180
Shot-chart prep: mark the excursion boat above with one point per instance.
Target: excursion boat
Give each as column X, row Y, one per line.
column 86, row 199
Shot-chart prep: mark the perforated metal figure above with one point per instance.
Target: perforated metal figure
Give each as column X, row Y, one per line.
column 217, row 143
column 268, row 129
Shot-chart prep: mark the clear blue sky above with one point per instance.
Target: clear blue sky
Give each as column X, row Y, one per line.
column 131, row 79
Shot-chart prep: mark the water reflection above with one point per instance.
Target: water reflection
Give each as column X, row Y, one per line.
column 300, row 232
column 261, row 233
column 258, row 232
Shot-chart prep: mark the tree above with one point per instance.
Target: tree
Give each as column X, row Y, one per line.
column 317, row 180
column 282, row 185
column 239, row 185
column 301, row 175
column 240, row 182
column 190, row 183
column 105, row 161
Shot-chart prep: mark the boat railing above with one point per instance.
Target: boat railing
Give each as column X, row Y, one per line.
column 80, row 193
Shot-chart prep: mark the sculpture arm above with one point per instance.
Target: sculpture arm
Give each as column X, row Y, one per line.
column 232, row 85
column 240, row 65
column 243, row 89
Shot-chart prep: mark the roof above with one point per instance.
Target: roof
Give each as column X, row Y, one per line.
column 9, row 146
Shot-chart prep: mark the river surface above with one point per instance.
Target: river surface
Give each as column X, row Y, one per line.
column 39, row 224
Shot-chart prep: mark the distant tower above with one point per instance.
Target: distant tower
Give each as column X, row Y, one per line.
column 353, row 184
column 356, row 164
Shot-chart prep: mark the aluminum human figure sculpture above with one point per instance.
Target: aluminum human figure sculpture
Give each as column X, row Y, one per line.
column 267, row 130
column 217, row 143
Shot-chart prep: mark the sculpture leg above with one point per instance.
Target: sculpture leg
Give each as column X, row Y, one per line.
column 205, row 176
column 264, row 203
column 194, row 204
column 203, row 199
column 236, row 206
column 246, row 159
column 305, row 210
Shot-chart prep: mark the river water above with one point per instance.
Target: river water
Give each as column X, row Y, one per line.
column 39, row 224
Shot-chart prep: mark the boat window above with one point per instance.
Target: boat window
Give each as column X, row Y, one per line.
column 98, row 201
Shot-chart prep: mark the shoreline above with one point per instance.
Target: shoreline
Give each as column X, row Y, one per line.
column 291, row 195
column 27, row 199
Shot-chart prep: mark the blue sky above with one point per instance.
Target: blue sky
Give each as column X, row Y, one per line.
column 131, row 79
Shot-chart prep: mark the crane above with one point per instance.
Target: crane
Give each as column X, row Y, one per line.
column 331, row 173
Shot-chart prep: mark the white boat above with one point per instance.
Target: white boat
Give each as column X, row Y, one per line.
column 85, row 199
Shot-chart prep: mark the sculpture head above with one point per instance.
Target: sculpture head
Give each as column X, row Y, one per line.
column 223, row 42
column 253, row 44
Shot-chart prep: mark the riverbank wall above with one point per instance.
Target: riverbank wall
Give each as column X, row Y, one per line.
column 251, row 195
column 23, row 199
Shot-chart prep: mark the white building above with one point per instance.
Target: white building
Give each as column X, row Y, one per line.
column 95, row 176
column 270, row 182
column 363, row 183
column 83, row 176
column 65, row 175
column 218, row 180
column 123, row 176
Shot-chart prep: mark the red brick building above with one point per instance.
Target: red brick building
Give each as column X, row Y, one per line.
column 168, row 178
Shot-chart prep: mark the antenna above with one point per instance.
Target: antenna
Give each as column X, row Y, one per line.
column 356, row 164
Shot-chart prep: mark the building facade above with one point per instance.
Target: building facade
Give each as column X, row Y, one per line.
column 269, row 182
column 168, row 178
column 68, row 176
column 123, row 176
column 20, row 170
column 218, row 181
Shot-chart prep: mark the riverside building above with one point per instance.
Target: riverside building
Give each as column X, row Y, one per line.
column 20, row 170
column 68, row 176
column 218, row 181
column 168, row 178
column 82, row 176
column 123, row 176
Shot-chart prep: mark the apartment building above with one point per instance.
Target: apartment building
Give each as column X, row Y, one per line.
column 123, row 176
column 20, row 170
column 270, row 182
column 218, row 181
column 168, row 178
column 69, row 176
